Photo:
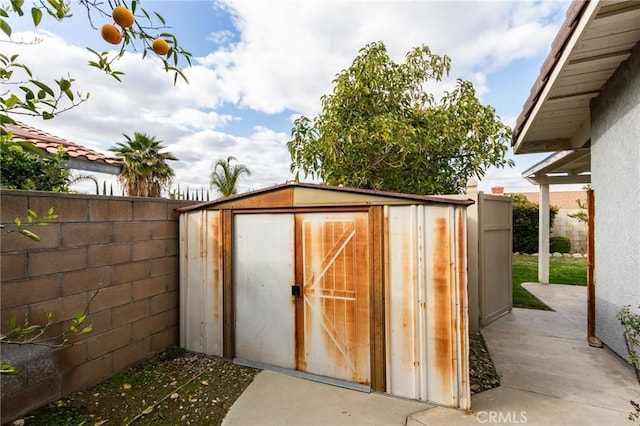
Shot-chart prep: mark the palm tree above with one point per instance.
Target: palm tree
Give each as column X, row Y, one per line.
column 145, row 172
column 224, row 176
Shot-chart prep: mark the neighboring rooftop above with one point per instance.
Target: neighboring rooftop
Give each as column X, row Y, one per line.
column 80, row 157
column 564, row 200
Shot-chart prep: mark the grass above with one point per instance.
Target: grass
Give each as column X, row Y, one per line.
column 562, row 270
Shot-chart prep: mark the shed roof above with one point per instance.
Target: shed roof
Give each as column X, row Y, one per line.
column 299, row 194
column 595, row 39
column 80, row 157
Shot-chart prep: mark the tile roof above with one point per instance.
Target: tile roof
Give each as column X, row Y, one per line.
column 49, row 143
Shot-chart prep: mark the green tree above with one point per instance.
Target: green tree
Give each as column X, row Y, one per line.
column 22, row 168
column 224, row 176
column 380, row 129
column 145, row 172
column 526, row 219
column 24, row 94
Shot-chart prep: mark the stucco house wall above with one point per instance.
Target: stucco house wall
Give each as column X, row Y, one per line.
column 615, row 177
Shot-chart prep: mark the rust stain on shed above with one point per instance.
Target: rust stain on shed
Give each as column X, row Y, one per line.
column 336, row 298
column 215, row 230
column 443, row 315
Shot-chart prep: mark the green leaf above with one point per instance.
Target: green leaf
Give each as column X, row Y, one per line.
column 87, row 329
column 50, row 211
column 47, row 115
column 17, row 221
column 17, row 6
column 160, row 18
column 8, row 369
column 64, row 84
column 80, row 317
column 32, row 213
column 36, row 15
column 12, row 323
column 29, row 234
column 12, row 101
column 44, row 87
column 6, row 28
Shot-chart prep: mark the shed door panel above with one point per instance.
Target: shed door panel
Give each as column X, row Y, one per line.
column 264, row 272
column 333, row 262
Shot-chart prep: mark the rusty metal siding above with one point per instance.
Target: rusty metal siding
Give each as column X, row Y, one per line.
column 263, row 275
column 427, row 324
column 335, row 295
column 201, row 282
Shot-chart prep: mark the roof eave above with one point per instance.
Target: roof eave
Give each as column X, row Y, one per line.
column 584, row 13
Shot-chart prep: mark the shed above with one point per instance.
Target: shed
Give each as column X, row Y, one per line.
column 360, row 288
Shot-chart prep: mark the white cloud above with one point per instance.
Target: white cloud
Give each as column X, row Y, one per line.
column 289, row 52
column 284, row 58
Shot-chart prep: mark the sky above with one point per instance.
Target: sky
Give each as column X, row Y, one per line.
column 258, row 65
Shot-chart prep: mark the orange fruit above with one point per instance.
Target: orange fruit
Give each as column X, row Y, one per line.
column 123, row 16
column 110, row 34
column 160, row 46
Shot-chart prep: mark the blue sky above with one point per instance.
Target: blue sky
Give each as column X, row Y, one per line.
column 259, row 64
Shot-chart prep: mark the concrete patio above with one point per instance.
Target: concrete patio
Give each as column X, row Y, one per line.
column 549, row 375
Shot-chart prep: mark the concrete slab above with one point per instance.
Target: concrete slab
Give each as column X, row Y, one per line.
column 506, row 406
column 549, row 374
column 568, row 300
column 277, row 399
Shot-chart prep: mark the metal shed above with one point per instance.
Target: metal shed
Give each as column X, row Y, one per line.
column 357, row 287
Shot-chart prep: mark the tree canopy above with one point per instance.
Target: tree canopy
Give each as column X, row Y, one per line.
column 131, row 28
column 224, row 176
column 145, row 172
column 380, row 129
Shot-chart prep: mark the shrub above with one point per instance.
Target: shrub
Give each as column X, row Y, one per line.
column 560, row 245
column 22, row 169
column 525, row 224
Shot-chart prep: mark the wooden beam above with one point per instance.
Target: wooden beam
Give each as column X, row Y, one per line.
column 228, row 327
column 591, row 288
column 377, row 329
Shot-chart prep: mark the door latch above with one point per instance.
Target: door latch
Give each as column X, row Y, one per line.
column 295, row 290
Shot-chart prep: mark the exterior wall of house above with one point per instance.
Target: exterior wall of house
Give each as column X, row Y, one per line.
column 615, row 163
column 125, row 247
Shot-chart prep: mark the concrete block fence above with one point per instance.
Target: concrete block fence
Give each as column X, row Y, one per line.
column 124, row 248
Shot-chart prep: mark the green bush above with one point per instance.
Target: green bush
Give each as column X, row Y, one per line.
column 525, row 224
column 22, row 169
column 560, row 245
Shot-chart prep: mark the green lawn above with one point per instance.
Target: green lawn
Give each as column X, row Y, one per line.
column 562, row 270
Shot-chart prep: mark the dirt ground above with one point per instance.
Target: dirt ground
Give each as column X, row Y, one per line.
column 174, row 388
column 183, row 388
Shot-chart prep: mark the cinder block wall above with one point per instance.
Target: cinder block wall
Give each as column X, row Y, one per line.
column 124, row 248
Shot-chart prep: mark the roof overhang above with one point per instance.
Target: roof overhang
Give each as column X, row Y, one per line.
column 595, row 39
column 564, row 167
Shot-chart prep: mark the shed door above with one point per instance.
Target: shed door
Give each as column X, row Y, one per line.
column 324, row 259
column 333, row 309
column 264, row 271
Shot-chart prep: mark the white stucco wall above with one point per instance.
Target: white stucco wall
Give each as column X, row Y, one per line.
column 615, row 166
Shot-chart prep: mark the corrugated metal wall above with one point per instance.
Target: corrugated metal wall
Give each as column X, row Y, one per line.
column 264, row 255
column 426, row 304
column 425, row 284
column 201, row 283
